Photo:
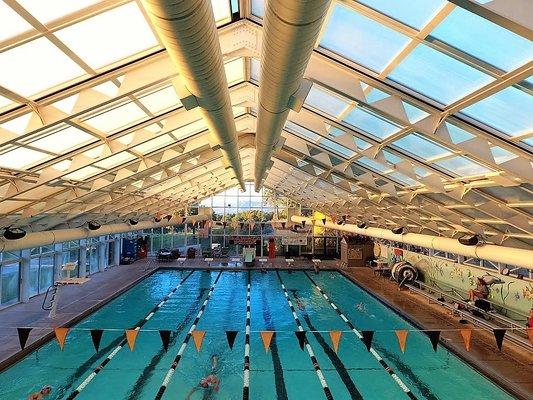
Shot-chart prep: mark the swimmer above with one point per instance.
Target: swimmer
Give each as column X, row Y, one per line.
column 45, row 391
column 209, row 384
column 361, row 307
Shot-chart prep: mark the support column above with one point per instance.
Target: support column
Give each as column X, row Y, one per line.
column 58, row 261
column 25, row 275
column 116, row 254
column 82, row 261
column 102, row 262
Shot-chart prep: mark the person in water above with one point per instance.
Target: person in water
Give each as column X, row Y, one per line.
column 210, row 383
column 44, row 392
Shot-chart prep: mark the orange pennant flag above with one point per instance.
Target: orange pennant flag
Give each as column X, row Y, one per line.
column 198, row 337
column 61, row 336
column 131, row 336
column 266, row 336
column 529, row 332
column 466, row 334
column 402, row 338
column 335, row 338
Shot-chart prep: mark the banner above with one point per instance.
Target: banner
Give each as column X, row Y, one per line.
column 294, row 240
column 245, row 240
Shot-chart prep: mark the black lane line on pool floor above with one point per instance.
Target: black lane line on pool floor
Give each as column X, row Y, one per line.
column 279, row 379
column 308, row 347
column 177, row 359
column 246, row 371
column 123, row 342
column 333, row 357
column 148, row 371
column 374, row 353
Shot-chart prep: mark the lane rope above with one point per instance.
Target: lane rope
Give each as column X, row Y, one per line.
column 177, row 359
column 308, row 347
column 374, row 353
column 246, row 372
column 123, row 342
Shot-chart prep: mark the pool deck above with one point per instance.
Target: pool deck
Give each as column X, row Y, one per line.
column 512, row 368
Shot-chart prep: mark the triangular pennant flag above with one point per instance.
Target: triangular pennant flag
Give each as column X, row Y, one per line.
column 23, row 336
column 303, row 224
column 96, row 336
column 434, row 338
column 335, row 339
column 231, row 335
column 165, row 338
column 367, row 338
column 266, row 336
column 466, row 335
column 131, row 336
column 301, row 338
column 283, row 225
column 402, row 338
column 198, row 337
column 529, row 332
column 61, row 335
column 324, row 221
column 499, row 335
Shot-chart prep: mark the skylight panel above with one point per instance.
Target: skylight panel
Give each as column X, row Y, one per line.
column 49, row 10
column 371, row 123
column 508, row 111
column 114, row 160
column 401, row 178
column 83, row 173
column 337, row 148
column 437, row 75
column 255, row 70
column 361, row 144
column 361, row 39
column 161, row 100
column 421, row 147
column 415, row 13
column 414, row 114
column 109, row 37
column 189, row 129
column 374, row 165
column 154, row 144
column 234, row 71
column 258, row 8
column 484, row 39
column 63, row 140
column 35, row 67
column 12, row 23
column 376, row 95
column 501, row 155
column 457, row 134
column 118, row 117
column 17, row 125
column 306, row 133
column 4, row 102
column 326, row 101
column 222, row 11
column 21, row 158
column 462, row 166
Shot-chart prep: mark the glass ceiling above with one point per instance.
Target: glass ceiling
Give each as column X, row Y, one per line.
column 422, row 94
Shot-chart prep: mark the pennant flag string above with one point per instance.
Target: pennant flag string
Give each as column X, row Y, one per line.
column 402, row 338
column 96, row 336
column 300, row 335
column 61, row 336
column 23, row 333
column 165, row 338
column 367, row 338
column 499, row 334
column 434, row 338
column 266, row 336
column 131, row 336
column 466, row 334
column 230, row 336
column 335, row 337
column 198, row 337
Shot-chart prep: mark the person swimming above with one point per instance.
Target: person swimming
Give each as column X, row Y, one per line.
column 210, row 383
column 45, row 391
column 361, row 307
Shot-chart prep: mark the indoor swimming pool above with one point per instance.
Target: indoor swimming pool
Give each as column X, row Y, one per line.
column 217, row 302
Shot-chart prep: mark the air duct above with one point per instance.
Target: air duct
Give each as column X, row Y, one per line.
column 493, row 253
column 188, row 31
column 290, row 31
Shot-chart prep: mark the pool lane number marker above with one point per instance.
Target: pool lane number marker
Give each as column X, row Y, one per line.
column 124, row 341
column 372, row 351
column 314, row 360
column 246, row 372
column 177, row 359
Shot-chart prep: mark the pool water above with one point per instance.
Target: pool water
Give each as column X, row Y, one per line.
column 284, row 372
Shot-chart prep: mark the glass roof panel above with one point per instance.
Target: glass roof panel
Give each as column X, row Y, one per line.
column 420, row 146
column 83, row 173
column 361, row 39
column 49, row 10
column 222, row 11
column 258, row 8
column 189, row 129
column 337, row 148
column 21, row 158
column 415, row 13
column 457, row 134
column 413, row 113
column 255, row 69
column 154, row 144
column 326, row 101
column 401, row 178
column 114, row 160
column 119, row 117
column 483, row 39
column 234, row 71
column 437, row 75
column 109, row 37
column 291, row 126
column 23, row 71
column 63, row 140
column 371, row 123
column 12, row 23
column 375, row 95
column 462, row 166
column 17, row 125
column 4, row 102
column 161, row 100
column 508, row 111
column 501, row 155
column 368, row 162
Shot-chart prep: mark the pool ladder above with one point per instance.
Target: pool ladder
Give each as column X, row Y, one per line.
column 52, row 301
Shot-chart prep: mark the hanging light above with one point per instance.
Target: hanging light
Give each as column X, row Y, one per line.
column 469, row 240
column 133, row 221
column 398, row 230
column 14, row 233
column 94, row 225
column 361, row 225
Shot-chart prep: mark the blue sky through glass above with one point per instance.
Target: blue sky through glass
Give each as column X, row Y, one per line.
column 415, row 13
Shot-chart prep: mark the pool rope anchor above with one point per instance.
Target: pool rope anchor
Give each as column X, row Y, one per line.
column 185, row 342
column 308, row 347
column 372, row 351
column 124, row 341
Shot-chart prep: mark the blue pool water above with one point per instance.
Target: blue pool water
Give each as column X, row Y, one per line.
column 285, row 372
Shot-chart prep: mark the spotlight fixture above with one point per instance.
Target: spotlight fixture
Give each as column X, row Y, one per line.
column 94, row 225
column 361, row 225
column 14, row 233
column 469, row 240
column 133, row 221
column 398, row 230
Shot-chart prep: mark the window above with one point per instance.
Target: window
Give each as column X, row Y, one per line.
column 9, row 283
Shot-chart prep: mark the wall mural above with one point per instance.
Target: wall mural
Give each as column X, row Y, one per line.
column 508, row 291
